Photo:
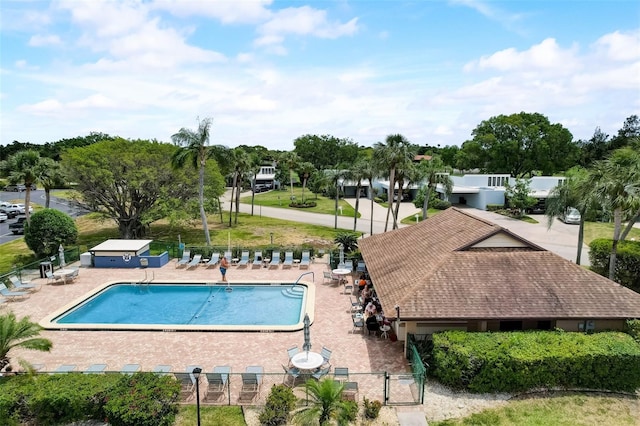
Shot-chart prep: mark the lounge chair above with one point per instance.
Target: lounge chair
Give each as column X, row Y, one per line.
column 67, row 368
column 275, row 260
column 162, row 369
column 187, row 385
column 130, row 368
column 306, row 260
column 186, row 257
column 288, row 259
column 251, row 382
column 95, row 369
column 11, row 295
column 20, row 286
column 361, row 267
column 218, row 381
column 228, row 255
column 215, row 258
column 257, row 260
column 195, row 261
column 244, row 259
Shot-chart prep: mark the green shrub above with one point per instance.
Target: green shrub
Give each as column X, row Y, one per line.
column 349, row 412
column 143, row 399
column 371, row 409
column 47, row 229
column 633, row 329
column 627, row 270
column 439, row 204
column 494, row 207
column 279, row 404
column 519, row 361
column 305, row 205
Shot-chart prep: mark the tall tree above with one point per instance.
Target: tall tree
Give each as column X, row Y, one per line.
column 610, row 180
column 23, row 167
column 432, row 173
column 325, row 151
column 357, row 173
column 521, row 144
column 51, row 175
column 395, row 151
column 127, row 181
column 255, row 163
column 333, row 177
column 594, row 149
column 194, row 147
column 19, row 334
column 241, row 166
column 289, row 160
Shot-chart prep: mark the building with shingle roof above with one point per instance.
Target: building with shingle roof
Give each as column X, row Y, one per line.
column 457, row 271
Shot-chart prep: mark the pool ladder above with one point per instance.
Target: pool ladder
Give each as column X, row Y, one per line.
column 146, row 279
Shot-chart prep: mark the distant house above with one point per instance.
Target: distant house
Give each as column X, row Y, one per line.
column 266, row 177
column 457, row 271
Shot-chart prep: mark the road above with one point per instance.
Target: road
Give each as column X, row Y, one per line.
column 37, row 197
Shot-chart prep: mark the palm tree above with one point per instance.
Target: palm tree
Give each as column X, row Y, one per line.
column 610, row 180
column 574, row 192
column 23, row 166
column 432, row 172
column 50, row 174
column 357, row 173
column 305, row 169
column 369, row 172
column 19, row 334
column 393, row 152
column 223, row 156
column 332, row 179
column 325, row 402
column 194, row 146
column 241, row 165
column 255, row 163
column 289, row 159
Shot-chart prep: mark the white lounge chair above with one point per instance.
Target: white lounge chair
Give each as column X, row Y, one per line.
column 288, row 260
column 186, row 257
column 22, row 286
column 275, row 260
column 244, row 259
column 217, row 381
column 215, row 258
column 195, row 261
column 257, row 260
column 11, row 295
column 306, row 259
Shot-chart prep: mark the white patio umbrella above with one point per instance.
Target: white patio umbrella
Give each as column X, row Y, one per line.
column 341, row 255
column 61, row 255
column 306, row 346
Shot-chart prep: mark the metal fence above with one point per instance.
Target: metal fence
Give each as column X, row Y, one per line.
column 417, row 364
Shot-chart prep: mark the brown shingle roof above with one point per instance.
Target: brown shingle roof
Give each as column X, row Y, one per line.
column 434, row 270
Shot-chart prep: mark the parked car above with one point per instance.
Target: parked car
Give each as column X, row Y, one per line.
column 571, row 215
column 11, row 210
column 20, row 208
column 15, row 188
column 17, row 227
column 3, row 217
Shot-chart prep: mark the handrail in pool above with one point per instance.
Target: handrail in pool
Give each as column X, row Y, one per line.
column 306, row 273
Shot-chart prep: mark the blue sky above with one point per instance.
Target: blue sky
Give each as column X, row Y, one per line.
column 270, row 71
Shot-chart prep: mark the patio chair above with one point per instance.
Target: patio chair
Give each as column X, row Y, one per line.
column 292, row 351
column 361, row 268
column 95, row 369
column 251, row 382
column 275, row 260
column 186, row 257
column 291, row 374
column 12, row 295
column 306, row 260
column 52, row 279
column 348, row 288
column 328, row 276
column 195, row 261
column 73, row 275
column 244, row 259
column 215, row 258
column 19, row 285
column 326, row 354
column 288, row 259
column 355, row 306
column 217, row 381
column 257, row 260
column 341, row 374
column 358, row 323
column 321, row 372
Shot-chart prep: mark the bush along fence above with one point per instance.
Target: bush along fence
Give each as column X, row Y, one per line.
column 627, row 270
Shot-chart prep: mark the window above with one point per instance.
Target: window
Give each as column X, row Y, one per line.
column 489, row 181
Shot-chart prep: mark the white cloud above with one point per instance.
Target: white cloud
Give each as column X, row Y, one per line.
column 228, row 12
column 44, row 40
column 303, row 21
column 619, row 46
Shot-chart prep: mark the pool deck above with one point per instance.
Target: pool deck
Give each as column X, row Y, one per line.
column 332, row 327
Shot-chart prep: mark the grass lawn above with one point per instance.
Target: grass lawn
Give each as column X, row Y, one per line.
column 278, row 198
column 228, row 416
column 572, row 410
column 594, row 230
column 411, row 220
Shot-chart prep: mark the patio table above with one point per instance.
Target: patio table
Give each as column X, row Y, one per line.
column 307, row 361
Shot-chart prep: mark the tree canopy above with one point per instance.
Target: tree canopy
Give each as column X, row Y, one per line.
column 127, row 180
column 325, row 151
column 519, row 144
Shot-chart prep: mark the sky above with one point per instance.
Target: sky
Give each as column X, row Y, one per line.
column 267, row 72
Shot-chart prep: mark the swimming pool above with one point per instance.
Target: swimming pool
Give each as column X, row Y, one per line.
column 188, row 306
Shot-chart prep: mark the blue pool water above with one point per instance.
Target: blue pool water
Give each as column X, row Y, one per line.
column 185, row 304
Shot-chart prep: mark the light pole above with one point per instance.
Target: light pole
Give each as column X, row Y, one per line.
column 271, row 233
column 196, row 375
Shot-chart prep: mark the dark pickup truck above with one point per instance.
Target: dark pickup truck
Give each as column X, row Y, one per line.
column 17, row 227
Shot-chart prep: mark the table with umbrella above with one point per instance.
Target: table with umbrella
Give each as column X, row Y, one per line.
column 307, row 361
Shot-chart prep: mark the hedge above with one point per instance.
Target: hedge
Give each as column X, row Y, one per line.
column 627, row 270
column 45, row 399
column 520, row 361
